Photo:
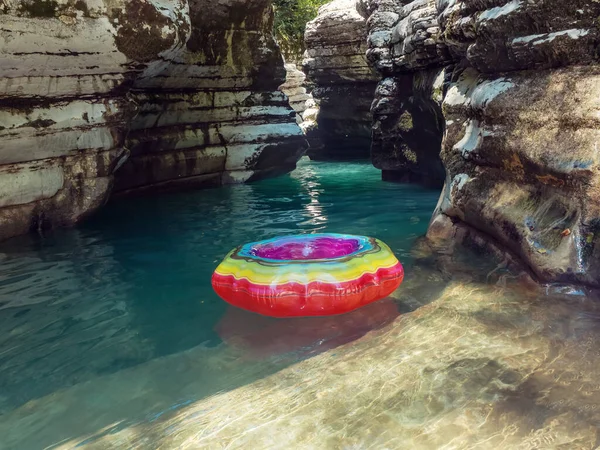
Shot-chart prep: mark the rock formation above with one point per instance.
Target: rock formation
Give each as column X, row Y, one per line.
column 295, row 90
column 188, row 89
column 520, row 122
column 210, row 111
column 304, row 104
column 63, row 109
column 344, row 83
column 406, row 48
column 523, row 127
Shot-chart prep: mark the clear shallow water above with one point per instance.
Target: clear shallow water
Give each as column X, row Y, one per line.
column 131, row 288
column 111, row 337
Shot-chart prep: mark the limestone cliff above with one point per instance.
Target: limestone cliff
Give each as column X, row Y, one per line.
column 519, row 120
column 406, row 47
column 523, row 127
column 210, row 111
column 63, row 108
column 295, row 90
column 187, row 88
column 344, row 83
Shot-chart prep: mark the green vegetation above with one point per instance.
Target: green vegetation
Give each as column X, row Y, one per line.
column 291, row 17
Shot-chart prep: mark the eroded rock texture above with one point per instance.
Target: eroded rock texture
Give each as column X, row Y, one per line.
column 343, row 81
column 210, row 111
column 63, row 108
column 405, row 46
column 523, row 128
column 295, row 90
column 188, row 88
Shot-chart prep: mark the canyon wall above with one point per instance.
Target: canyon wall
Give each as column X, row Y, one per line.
column 405, row 46
column 523, row 127
column 210, row 111
column 343, row 81
column 63, row 109
column 295, row 90
column 509, row 91
column 172, row 93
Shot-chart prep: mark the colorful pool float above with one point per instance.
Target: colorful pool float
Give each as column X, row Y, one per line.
column 308, row 275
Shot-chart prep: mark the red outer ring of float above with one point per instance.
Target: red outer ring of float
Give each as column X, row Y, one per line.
column 312, row 299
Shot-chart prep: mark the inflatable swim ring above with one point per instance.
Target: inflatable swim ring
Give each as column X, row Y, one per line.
column 308, row 275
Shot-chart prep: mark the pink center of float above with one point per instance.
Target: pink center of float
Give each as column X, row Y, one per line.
column 307, row 249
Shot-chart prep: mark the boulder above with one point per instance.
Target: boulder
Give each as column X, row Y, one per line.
column 344, row 83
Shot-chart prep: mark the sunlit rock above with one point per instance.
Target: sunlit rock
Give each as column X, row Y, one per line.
column 295, row 90
column 521, row 145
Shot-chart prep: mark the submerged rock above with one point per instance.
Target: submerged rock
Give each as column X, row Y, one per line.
column 510, row 367
column 343, row 81
column 188, row 88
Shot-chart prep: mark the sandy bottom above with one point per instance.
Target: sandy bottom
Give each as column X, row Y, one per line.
column 468, row 365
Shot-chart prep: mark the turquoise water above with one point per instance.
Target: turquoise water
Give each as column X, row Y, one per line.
column 132, row 285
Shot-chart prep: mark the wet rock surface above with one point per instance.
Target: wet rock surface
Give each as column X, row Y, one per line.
column 344, row 83
column 174, row 94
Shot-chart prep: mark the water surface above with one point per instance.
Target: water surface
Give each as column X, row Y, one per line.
column 130, row 290
column 112, row 337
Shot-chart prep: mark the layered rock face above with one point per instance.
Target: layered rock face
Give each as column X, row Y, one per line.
column 405, row 46
column 188, row 88
column 210, row 111
column 523, row 128
column 344, row 83
column 304, row 104
column 63, row 109
column 295, row 90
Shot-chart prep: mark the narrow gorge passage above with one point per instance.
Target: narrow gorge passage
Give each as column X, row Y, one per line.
column 142, row 140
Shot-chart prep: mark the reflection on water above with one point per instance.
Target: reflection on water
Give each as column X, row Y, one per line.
column 263, row 337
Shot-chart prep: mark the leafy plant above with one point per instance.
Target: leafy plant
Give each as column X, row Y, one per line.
column 291, row 17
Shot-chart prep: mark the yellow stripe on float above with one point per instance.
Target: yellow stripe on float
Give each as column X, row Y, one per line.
column 308, row 272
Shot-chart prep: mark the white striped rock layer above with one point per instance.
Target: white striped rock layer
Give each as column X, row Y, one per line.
column 173, row 93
